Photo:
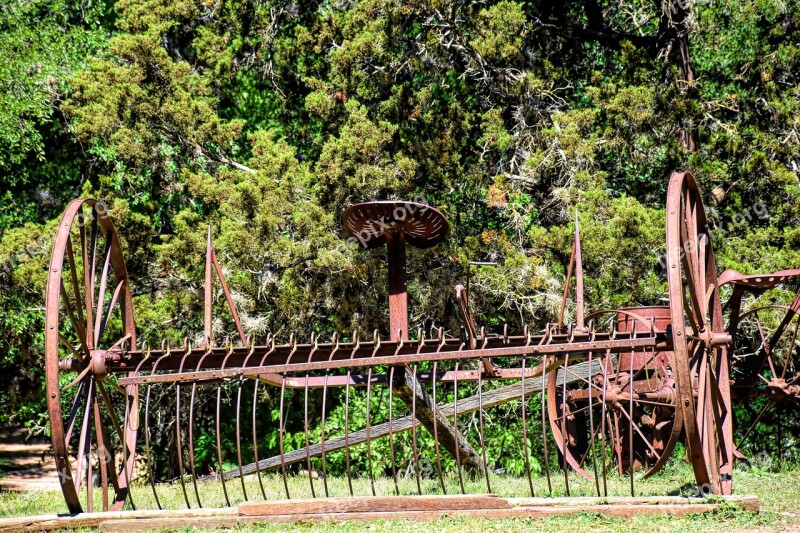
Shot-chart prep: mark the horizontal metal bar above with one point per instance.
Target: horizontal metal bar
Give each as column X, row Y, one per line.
column 119, row 361
column 575, row 349
column 361, row 380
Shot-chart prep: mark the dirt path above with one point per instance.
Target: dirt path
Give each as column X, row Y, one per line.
column 25, row 465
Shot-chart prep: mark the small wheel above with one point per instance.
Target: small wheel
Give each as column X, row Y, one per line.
column 638, row 430
column 89, row 316
column 700, row 342
column 766, row 373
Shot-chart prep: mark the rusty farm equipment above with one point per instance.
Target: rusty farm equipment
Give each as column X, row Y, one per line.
column 618, row 388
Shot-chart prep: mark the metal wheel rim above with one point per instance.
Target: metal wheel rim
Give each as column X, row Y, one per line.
column 103, row 226
column 710, row 445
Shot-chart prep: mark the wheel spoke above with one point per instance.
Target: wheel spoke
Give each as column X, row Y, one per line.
column 107, row 314
column 689, row 312
column 73, row 414
column 101, row 295
column 753, row 425
column 689, row 261
column 570, row 371
column 103, row 453
column 645, row 366
column 75, row 285
column 767, row 348
column 111, row 413
column 78, row 379
column 93, row 252
column 75, row 322
column 636, row 428
column 85, row 438
column 70, row 347
column 87, row 285
column 790, row 350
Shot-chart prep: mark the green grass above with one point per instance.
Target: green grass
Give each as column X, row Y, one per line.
column 779, row 494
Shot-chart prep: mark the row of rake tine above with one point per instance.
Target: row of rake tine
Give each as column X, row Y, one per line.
column 208, row 345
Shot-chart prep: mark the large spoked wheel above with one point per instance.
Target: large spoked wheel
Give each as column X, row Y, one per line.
column 767, row 377
column 89, row 315
column 700, row 343
column 598, row 424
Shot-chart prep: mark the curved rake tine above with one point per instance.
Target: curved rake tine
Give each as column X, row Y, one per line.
column 305, row 414
column 455, row 425
column 480, row 431
column 191, row 426
column 280, row 438
column 391, row 434
column 591, row 426
column 356, row 345
column 414, row 432
column 147, row 430
column 369, row 427
column 377, row 344
column 130, row 407
column 218, row 429
column 603, row 416
column 179, row 448
column 270, row 341
column 255, row 438
column 239, row 387
column 347, row 432
column 525, row 431
column 630, row 425
column 335, row 342
column 126, row 421
column 308, row 444
column 147, row 446
column 546, row 339
column 544, row 430
column 564, row 423
column 436, row 433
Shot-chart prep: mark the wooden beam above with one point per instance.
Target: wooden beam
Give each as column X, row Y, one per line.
column 436, row 422
column 421, row 508
column 374, row 505
column 92, row 520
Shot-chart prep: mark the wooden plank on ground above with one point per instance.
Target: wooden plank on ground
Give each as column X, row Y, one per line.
column 421, row 508
column 49, row 522
column 625, row 510
column 450, row 502
column 745, row 502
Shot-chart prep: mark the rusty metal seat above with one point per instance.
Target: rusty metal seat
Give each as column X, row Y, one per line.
column 757, row 282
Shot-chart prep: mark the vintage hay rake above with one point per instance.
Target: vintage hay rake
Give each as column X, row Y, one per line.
column 614, row 398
